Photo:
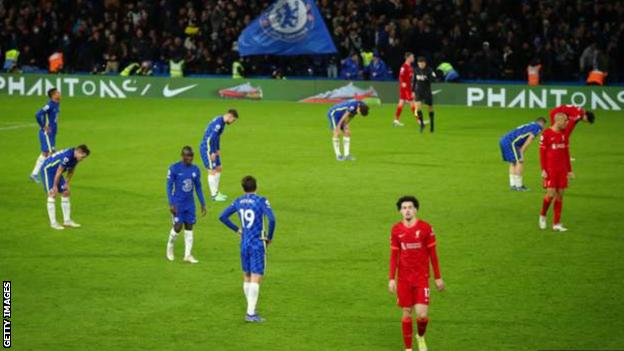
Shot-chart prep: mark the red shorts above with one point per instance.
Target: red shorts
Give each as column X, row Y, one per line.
column 406, row 94
column 410, row 294
column 556, row 179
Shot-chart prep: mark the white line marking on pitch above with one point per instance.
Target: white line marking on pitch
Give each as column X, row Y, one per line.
column 17, row 126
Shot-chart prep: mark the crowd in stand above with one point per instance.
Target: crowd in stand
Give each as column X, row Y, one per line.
column 482, row 39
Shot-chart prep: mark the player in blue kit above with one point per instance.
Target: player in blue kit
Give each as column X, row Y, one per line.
column 251, row 209
column 210, row 149
column 47, row 118
column 184, row 177
column 514, row 144
column 64, row 161
column 340, row 116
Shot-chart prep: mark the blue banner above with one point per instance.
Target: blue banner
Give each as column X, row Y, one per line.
column 287, row 27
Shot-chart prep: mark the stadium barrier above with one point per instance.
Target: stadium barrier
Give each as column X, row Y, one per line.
column 491, row 95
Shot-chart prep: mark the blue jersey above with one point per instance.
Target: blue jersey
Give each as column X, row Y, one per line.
column 182, row 179
column 212, row 135
column 251, row 209
column 337, row 111
column 64, row 158
column 518, row 136
column 48, row 116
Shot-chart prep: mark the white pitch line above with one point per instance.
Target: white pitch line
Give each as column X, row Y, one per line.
column 18, row 126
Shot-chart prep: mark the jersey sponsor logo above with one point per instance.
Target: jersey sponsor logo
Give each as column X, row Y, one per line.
column 187, row 185
column 410, row 246
column 288, row 20
column 167, row 92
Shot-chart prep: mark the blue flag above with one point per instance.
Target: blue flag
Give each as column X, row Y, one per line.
column 287, row 27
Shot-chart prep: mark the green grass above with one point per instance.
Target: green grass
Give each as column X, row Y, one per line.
column 107, row 285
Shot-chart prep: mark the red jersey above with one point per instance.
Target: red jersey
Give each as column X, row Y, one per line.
column 406, row 76
column 575, row 114
column 411, row 250
column 554, row 151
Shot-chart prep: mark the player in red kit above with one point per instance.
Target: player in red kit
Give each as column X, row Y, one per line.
column 412, row 247
column 406, row 95
column 555, row 162
column 575, row 115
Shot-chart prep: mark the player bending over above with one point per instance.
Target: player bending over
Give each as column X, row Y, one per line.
column 514, row 144
column 47, row 118
column 406, row 95
column 555, row 162
column 412, row 247
column 210, row 149
column 423, row 75
column 340, row 116
column 182, row 177
column 64, row 161
column 251, row 209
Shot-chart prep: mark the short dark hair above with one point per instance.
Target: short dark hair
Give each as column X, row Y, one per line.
column 249, row 184
column 408, row 54
column 51, row 92
column 84, row 148
column 591, row 117
column 364, row 109
column 407, row 198
column 421, row 59
column 233, row 112
column 540, row 119
column 188, row 149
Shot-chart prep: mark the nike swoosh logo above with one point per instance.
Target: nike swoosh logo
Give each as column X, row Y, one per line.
column 173, row 92
column 436, row 91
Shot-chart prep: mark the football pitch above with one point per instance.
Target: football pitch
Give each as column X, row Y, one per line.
column 107, row 285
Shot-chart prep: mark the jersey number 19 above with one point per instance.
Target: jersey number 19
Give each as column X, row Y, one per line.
column 247, row 218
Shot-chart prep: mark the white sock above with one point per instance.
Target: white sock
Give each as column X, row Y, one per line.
column 188, row 242
column 172, row 237
column 512, row 179
column 246, row 288
column 217, row 180
column 66, row 207
column 346, row 142
column 518, row 180
column 336, row 142
column 38, row 164
column 252, row 297
column 212, row 185
column 52, row 210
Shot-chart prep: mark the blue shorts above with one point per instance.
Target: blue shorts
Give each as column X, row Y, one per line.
column 48, row 141
column 510, row 152
column 184, row 215
column 208, row 164
column 48, row 179
column 253, row 258
column 333, row 122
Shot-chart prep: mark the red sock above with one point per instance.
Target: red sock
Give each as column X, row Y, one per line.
column 422, row 325
column 398, row 112
column 546, row 205
column 413, row 108
column 407, row 332
column 558, row 206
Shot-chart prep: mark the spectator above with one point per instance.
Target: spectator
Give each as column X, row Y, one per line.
column 351, row 68
column 377, row 69
column 112, row 55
